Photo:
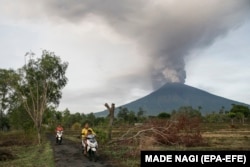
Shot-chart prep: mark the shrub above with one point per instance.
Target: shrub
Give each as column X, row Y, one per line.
column 76, row 126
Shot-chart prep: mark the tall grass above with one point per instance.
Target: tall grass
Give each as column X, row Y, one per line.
column 25, row 151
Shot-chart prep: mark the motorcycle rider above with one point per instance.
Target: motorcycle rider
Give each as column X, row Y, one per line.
column 58, row 128
column 84, row 134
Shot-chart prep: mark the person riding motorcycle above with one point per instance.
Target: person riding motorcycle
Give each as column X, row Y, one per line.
column 58, row 128
column 84, row 134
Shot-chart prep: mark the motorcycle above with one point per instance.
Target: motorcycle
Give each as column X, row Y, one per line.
column 92, row 146
column 59, row 137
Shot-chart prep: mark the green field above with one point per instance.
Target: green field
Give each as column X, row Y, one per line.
column 18, row 150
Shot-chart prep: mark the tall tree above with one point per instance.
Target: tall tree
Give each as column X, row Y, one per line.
column 39, row 85
column 240, row 111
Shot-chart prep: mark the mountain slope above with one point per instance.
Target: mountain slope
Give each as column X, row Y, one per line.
column 174, row 95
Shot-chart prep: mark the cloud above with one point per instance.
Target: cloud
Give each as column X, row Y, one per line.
column 119, row 90
column 225, row 71
column 164, row 31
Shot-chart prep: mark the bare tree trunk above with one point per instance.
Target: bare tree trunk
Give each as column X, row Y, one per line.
column 111, row 118
column 38, row 128
column 39, row 135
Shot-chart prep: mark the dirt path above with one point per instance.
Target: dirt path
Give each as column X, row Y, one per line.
column 69, row 154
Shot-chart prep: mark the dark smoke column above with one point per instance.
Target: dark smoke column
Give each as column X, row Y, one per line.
column 166, row 31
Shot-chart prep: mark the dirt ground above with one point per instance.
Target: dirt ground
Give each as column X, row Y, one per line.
column 69, row 154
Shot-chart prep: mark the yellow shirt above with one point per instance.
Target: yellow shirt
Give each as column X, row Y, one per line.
column 85, row 132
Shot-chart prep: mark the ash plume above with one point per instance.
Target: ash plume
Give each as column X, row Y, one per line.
column 166, row 31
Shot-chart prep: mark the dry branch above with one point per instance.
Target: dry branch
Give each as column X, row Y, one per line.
column 166, row 132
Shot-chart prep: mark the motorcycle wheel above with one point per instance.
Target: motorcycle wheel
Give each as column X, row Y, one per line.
column 92, row 155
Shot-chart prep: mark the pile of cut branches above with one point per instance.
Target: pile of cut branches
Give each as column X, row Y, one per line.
column 182, row 130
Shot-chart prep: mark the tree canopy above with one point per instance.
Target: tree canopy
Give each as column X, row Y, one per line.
column 38, row 85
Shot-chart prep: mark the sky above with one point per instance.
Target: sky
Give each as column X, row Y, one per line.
column 120, row 51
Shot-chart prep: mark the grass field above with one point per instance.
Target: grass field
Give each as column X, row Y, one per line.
column 18, row 150
column 224, row 137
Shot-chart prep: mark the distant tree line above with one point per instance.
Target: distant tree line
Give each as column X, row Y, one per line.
column 237, row 113
column 19, row 119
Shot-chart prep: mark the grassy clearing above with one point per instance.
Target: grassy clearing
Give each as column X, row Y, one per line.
column 30, row 156
column 227, row 138
column 25, row 153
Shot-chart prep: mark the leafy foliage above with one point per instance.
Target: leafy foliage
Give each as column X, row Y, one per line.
column 239, row 111
column 164, row 115
column 37, row 86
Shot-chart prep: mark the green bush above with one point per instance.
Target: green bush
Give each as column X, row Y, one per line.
column 76, row 126
column 101, row 135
